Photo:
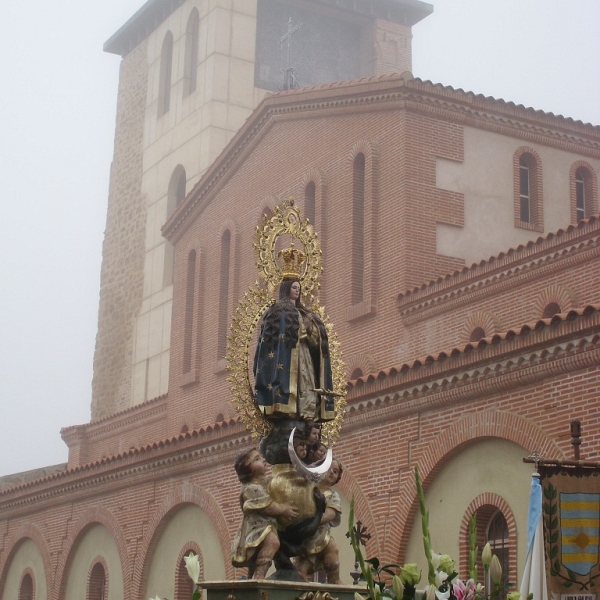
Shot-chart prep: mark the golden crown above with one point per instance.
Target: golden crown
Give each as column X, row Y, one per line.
column 293, row 259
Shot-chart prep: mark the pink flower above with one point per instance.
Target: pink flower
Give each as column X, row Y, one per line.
column 459, row 589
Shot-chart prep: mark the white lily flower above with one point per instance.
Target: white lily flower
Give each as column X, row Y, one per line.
column 192, row 565
column 435, row 560
column 440, row 577
column 430, row 592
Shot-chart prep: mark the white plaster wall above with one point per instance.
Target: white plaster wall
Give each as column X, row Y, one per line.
column 26, row 556
column 189, row 524
column 492, row 465
column 97, row 541
column 485, row 178
column 192, row 134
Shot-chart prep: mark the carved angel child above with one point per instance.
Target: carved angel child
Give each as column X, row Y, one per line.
column 320, row 551
column 256, row 541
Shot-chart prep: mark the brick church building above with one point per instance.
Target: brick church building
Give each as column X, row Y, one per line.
column 461, row 255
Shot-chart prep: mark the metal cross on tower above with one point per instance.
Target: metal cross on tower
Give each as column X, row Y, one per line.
column 289, row 76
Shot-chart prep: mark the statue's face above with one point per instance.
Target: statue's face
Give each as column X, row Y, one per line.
column 313, row 436
column 256, row 463
column 295, row 291
column 333, row 473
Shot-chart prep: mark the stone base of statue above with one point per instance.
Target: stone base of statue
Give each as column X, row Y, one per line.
column 268, row 589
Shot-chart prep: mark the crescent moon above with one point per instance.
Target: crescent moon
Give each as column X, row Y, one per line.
column 315, row 474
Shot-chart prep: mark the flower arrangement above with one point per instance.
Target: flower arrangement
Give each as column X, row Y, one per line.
column 192, row 566
column 442, row 579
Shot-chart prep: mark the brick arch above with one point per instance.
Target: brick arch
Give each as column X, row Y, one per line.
column 186, row 493
column 361, row 360
column 350, row 487
column 317, row 177
column 368, row 148
column 433, row 456
column 180, row 586
column 267, row 204
column 27, row 531
column 92, row 516
column 228, row 296
column 489, row 322
column 98, row 559
column 27, row 571
column 591, row 189
column 363, row 264
column 501, row 504
column 559, row 294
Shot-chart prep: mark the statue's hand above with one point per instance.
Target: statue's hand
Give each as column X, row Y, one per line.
column 289, row 511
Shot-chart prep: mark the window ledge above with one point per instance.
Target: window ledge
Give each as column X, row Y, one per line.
column 189, row 378
column 531, row 226
column 360, row 310
column 221, row 365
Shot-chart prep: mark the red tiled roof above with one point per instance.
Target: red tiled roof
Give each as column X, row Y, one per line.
column 482, row 343
column 121, row 455
column 511, row 251
column 411, row 81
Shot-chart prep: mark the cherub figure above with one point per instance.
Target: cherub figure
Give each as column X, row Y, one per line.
column 320, row 551
column 317, row 455
column 256, row 541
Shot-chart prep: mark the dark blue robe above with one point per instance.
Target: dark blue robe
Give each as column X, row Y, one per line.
column 276, row 370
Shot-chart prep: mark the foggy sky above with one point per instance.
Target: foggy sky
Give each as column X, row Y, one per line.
column 57, row 122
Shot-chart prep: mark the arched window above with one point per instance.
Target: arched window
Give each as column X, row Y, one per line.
column 477, row 334
column 492, row 527
column 550, row 310
column 184, row 586
column 97, row 588
column 309, row 202
column 189, row 312
column 176, row 190
column 528, row 190
column 524, row 190
column 356, row 373
column 584, row 191
column 190, row 68
column 26, row 588
column 358, row 228
column 224, row 293
column 497, row 537
column 175, row 195
column 164, row 81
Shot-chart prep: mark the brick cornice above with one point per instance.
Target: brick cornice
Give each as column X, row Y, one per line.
column 509, row 364
column 498, row 275
column 386, row 92
column 119, row 421
column 163, row 460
